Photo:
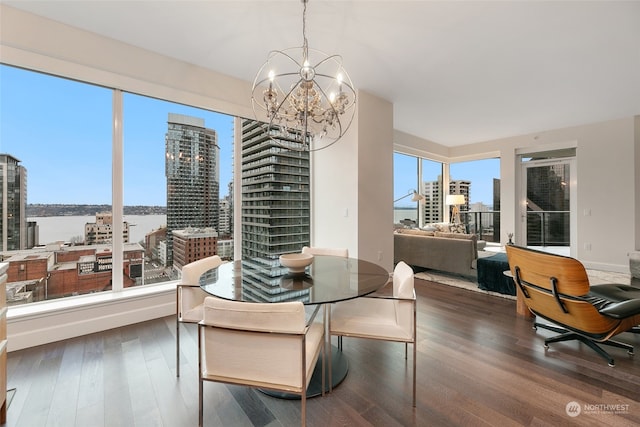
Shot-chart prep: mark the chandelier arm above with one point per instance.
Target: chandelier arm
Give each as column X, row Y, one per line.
column 331, row 58
column 283, row 53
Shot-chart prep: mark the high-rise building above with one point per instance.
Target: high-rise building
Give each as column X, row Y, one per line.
column 224, row 219
column 432, row 191
column 192, row 168
column 101, row 231
column 13, row 204
column 275, row 205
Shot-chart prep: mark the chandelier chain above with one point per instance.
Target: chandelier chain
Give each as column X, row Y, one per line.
column 305, row 43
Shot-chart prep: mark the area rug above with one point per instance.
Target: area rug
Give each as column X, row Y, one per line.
column 458, row 282
column 596, row 277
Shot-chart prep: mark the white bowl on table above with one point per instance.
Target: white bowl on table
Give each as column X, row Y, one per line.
column 296, row 263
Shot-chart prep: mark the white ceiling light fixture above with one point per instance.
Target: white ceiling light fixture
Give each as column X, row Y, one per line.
column 304, row 91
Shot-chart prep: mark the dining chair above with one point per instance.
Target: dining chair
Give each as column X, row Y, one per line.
column 264, row 345
column 377, row 317
column 343, row 252
column 190, row 298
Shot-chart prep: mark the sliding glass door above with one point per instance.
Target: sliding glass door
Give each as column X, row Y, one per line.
column 547, row 204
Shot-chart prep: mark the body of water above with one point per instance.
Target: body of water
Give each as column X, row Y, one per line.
column 65, row 228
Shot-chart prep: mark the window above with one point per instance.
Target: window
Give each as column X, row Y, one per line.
column 424, row 177
column 58, row 133
column 177, row 170
column 405, row 183
column 479, row 182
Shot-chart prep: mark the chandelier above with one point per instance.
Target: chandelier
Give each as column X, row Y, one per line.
column 307, row 96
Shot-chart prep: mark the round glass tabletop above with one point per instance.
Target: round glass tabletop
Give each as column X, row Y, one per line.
column 328, row 279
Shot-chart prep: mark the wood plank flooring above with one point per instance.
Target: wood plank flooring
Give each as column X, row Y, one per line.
column 478, row 365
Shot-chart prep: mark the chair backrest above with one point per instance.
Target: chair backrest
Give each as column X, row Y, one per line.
column 403, row 288
column 343, row 252
column 254, row 343
column 191, row 272
column 403, row 281
column 554, row 286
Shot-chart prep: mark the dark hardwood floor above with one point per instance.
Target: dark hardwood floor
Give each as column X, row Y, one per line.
column 478, row 364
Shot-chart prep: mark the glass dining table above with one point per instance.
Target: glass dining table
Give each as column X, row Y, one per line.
column 328, row 279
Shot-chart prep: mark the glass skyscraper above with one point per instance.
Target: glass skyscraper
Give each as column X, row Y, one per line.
column 192, row 169
column 275, row 206
column 13, row 204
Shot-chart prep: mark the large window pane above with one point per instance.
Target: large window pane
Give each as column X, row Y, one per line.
column 479, row 182
column 177, row 179
column 405, row 179
column 55, row 135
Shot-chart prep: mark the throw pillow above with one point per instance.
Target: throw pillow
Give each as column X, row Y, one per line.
column 457, row 228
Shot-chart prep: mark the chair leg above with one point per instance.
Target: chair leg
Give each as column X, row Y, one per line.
column 414, row 373
column 559, row 330
column 595, row 347
column 177, row 347
column 303, row 406
column 200, row 396
column 178, row 331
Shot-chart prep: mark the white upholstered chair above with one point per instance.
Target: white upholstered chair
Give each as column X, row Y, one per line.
column 190, row 298
column 264, row 345
column 343, row 252
column 388, row 318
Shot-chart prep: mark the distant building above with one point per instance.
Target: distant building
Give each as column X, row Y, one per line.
column 434, row 198
column 13, row 204
column 33, row 234
column 59, row 271
column 432, row 192
column 192, row 168
column 101, row 231
column 193, row 244
column 225, row 249
column 161, row 254
column 225, row 216
column 152, row 243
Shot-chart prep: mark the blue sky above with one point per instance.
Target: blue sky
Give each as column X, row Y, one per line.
column 60, row 130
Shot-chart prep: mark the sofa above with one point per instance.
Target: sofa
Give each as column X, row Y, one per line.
column 439, row 249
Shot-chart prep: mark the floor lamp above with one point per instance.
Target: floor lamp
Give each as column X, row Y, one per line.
column 455, row 200
column 416, row 197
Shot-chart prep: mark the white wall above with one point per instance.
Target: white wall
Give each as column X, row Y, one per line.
column 375, row 180
column 636, row 192
column 352, row 187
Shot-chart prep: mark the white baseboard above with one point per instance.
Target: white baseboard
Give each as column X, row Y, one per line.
column 42, row 323
column 617, row 268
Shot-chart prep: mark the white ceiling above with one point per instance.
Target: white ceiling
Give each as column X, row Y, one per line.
column 457, row 72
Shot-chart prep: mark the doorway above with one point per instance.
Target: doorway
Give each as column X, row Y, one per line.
column 548, row 202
